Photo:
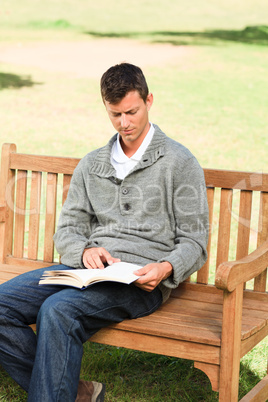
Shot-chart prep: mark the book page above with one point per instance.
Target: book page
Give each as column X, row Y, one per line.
column 119, row 271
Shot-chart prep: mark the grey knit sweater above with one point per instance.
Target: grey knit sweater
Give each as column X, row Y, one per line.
column 157, row 213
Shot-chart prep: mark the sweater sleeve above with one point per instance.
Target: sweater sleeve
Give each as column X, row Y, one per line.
column 76, row 222
column 192, row 224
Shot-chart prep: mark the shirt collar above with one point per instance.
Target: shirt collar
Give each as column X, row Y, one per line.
column 120, row 157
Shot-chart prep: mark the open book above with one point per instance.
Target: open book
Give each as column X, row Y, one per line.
column 81, row 278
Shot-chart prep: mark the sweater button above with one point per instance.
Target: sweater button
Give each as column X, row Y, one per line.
column 127, row 207
column 124, row 191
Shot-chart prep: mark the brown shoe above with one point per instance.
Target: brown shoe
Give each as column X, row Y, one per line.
column 90, row 391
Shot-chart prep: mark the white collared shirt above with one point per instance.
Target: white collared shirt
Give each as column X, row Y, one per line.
column 121, row 162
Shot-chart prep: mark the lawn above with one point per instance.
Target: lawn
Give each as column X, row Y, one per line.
column 212, row 98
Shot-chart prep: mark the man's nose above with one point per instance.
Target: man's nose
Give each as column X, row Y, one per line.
column 124, row 120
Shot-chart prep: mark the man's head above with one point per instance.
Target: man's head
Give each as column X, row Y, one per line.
column 121, row 79
column 127, row 100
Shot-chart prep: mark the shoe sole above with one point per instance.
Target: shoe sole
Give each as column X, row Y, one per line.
column 99, row 392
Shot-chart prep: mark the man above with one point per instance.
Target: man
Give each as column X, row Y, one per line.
column 140, row 199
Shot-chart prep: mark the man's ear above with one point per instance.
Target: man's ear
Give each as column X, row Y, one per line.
column 149, row 101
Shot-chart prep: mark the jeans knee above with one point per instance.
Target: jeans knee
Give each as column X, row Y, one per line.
column 54, row 317
column 49, row 313
column 8, row 315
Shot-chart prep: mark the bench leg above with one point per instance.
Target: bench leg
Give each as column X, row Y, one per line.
column 230, row 345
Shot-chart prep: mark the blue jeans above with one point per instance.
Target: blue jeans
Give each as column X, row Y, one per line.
column 47, row 364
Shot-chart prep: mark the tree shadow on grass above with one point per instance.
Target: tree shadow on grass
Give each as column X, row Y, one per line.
column 252, row 35
column 13, row 81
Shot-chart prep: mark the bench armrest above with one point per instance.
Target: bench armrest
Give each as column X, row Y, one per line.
column 232, row 273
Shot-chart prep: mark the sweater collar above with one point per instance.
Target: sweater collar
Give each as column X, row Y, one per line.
column 102, row 166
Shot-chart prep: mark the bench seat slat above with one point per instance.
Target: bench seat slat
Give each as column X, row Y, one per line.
column 11, row 271
column 260, row 296
column 6, row 276
column 201, row 296
column 200, row 307
column 188, row 333
column 250, row 325
column 197, row 287
column 256, row 302
column 250, row 318
column 180, row 317
column 256, row 305
column 27, row 263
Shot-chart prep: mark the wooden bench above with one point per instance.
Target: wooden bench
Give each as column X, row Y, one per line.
column 214, row 318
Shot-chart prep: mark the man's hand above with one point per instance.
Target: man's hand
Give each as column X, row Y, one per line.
column 153, row 274
column 96, row 257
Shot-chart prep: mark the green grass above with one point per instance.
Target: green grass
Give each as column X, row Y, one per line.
column 213, row 100
column 135, row 376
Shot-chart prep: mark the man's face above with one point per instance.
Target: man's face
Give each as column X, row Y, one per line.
column 130, row 118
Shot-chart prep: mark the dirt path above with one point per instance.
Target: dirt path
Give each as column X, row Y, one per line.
column 90, row 58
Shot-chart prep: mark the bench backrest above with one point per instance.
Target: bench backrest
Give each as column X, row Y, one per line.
column 33, row 189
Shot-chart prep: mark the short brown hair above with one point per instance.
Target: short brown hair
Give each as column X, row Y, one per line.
column 120, row 79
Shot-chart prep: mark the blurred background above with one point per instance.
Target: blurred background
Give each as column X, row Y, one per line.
column 205, row 62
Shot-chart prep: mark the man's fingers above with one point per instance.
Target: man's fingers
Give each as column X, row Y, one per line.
column 92, row 261
column 92, row 258
column 142, row 271
column 95, row 261
column 95, row 257
column 105, row 256
column 152, row 274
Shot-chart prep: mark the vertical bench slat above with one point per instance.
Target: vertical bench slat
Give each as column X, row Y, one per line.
column 20, row 212
column 243, row 235
column 52, row 179
column 34, row 220
column 203, row 273
column 66, row 185
column 244, row 220
column 7, row 191
column 261, row 280
column 224, row 226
